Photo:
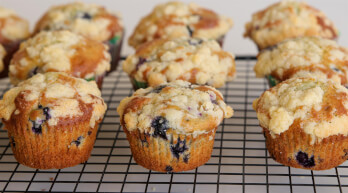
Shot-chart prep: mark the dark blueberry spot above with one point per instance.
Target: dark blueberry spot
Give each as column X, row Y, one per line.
column 186, row 158
column 158, row 89
column 46, row 112
column 195, row 42
column 89, row 133
column 257, row 27
column 160, row 124
column 86, row 16
column 169, row 168
column 270, row 48
column 213, row 99
column 39, row 106
column 179, row 148
column 37, row 129
column 77, row 142
column 141, row 61
column 13, row 142
column 33, row 71
column 302, row 158
column 336, row 69
column 190, row 31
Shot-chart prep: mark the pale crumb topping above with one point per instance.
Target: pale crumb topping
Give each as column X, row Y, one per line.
column 180, row 106
column 302, row 99
column 12, row 27
column 199, row 61
column 61, row 93
column 308, row 56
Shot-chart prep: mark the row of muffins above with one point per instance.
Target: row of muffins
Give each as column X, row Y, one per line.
column 304, row 113
column 170, row 125
column 56, row 113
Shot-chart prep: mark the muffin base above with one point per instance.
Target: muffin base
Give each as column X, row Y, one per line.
column 55, row 148
column 293, row 148
column 10, row 48
column 115, row 52
column 155, row 153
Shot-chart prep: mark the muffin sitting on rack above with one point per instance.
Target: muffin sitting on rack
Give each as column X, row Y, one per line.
column 52, row 120
column 177, row 19
column 198, row 61
column 288, row 19
column 305, row 123
column 13, row 29
column 304, row 57
column 90, row 20
column 60, row 51
column 171, row 127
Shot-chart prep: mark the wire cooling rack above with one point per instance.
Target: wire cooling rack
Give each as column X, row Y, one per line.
column 239, row 163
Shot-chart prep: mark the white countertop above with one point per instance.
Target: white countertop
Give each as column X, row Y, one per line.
column 240, row 11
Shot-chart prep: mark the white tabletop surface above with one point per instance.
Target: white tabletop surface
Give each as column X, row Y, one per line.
column 240, row 11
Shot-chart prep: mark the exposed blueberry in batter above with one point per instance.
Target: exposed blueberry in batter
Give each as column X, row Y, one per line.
column 186, row 158
column 179, row 148
column 46, row 112
column 86, row 16
column 33, row 71
column 169, row 168
column 141, row 61
column 78, row 141
column 158, row 89
column 89, row 132
column 13, row 142
column 195, row 42
column 160, row 124
column 213, row 99
column 189, row 30
column 336, row 69
column 37, row 129
column 302, row 158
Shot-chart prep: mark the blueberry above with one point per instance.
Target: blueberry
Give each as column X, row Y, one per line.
column 37, row 128
column 190, row 31
column 302, row 159
column 195, row 42
column 335, row 69
column 160, row 124
column 158, row 89
column 86, row 16
column 89, row 133
column 77, row 142
column 13, row 142
column 141, row 61
column 186, row 158
column 169, row 168
column 46, row 112
column 179, row 148
column 213, row 99
column 33, row 71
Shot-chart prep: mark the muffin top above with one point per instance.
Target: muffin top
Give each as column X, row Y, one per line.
column 318, row 107
column 302, row 57
column 59, row 51
column 288, row 19
column 54, row 99
column 12, row 27
column 177, row 19
column 178, row 106
column 90, row 20
column 198, row 61
column 2, row 56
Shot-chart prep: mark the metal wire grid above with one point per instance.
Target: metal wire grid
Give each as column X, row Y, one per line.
column 239, row 163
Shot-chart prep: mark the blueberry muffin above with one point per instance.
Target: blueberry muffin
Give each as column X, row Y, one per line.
column 304, row 121
column 60, row 51
column 90, row 20
column 171, row 127
column 198, row 61
column 13, row 29
column 288, row 19
column 177, row 19
column 304, row 57
column 52, row 120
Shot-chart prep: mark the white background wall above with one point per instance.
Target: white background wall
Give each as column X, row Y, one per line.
column 239, row 10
